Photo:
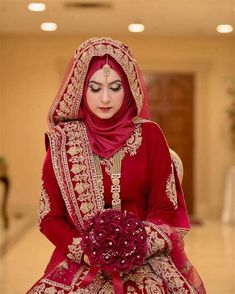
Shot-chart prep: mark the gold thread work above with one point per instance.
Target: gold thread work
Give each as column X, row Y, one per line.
column 115, row 178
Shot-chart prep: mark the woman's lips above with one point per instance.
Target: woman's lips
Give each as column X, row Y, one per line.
column 105, row 109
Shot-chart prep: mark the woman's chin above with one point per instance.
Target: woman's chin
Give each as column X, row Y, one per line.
column 104, row 115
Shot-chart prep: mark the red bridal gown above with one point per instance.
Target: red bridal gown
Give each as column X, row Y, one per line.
column 149, row 188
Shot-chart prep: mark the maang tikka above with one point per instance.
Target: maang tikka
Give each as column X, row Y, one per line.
column 106, row 69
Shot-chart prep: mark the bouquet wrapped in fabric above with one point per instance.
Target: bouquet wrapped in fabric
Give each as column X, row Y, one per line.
column 114, row 241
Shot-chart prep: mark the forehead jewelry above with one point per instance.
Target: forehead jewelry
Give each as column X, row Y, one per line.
column 106, row 69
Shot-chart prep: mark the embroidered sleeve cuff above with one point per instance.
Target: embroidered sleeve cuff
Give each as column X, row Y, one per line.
column 157, row 241
column 75, row 251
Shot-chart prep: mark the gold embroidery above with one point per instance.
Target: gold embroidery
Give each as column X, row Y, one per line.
column 178, row 164
column 67, row 103
column 66, row 274
column 134, row 142
column 146, row 281
column 139, row 120
column 157, row 239
column 80, row 176
column 174, row 280
column 38, row 289
column 171, row 188
column 75, row 251
column 154, row 243
column 115, row 178
column 107, row 288
column 75, row 172
column 151, row 278
column 131, row 146
column 42, row 289
column 44, row 204
column 57, row 140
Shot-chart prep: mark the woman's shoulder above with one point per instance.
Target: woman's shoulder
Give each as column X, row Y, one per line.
column 152, row 134
column 150, row 127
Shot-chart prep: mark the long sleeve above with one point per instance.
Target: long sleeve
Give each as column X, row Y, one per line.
column 167, row 213
column 53, row 218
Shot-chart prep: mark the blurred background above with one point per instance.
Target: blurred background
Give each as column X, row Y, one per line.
column 186, row 50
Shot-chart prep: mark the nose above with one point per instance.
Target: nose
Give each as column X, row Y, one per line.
column 105, row 97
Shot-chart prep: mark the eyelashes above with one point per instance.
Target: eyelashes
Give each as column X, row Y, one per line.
column 94, row 90
column 115, row 88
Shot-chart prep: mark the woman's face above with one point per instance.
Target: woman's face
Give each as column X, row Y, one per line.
column 105, row 94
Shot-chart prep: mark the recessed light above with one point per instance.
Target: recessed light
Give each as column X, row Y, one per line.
column 224, row 28
column 49, row 26
column 136, row 27
column 36, row 6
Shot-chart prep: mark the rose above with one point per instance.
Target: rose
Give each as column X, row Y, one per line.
column 131, row 225
column 126, row 241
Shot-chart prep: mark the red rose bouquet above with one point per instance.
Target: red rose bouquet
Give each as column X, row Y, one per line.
column 115, row 241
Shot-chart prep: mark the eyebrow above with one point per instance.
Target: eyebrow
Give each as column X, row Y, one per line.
column 102, row 84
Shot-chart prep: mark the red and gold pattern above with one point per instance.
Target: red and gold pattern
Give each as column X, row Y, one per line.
column 67, row 102
column 149, row 188
column 65, row 274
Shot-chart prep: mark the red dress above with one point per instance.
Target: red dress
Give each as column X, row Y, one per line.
column 149, row 188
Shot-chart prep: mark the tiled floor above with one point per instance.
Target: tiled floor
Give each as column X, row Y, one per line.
column 211, row 248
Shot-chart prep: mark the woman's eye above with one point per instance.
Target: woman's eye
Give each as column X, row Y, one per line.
column 94, row 90
column 116, row 88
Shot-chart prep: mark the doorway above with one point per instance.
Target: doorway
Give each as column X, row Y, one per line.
column 171, row 106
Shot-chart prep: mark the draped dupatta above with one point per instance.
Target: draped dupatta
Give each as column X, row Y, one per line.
column 68, row 99
column 69, row 142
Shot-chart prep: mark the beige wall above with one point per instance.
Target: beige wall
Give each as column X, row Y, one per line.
column 32, row 68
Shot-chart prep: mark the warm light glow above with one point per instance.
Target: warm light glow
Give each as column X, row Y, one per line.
column 136, row 27
column 224, row 28
column 36, row 6
column 49, row 26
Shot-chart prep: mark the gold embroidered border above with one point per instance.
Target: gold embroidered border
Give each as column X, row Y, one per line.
column 175, row 281
column 156, row 239
column 57, row 149
column 79, row 275
column 68, row 101
column 75, row 171
column 44, row 204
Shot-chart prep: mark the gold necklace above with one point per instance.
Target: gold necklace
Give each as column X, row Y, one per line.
column 115, row 178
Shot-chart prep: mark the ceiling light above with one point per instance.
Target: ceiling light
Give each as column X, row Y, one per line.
column 224, row 28
column 136, row 27
column 49, row 26
column 36, row 6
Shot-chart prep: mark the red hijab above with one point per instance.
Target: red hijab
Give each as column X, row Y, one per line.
column 107, row 136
